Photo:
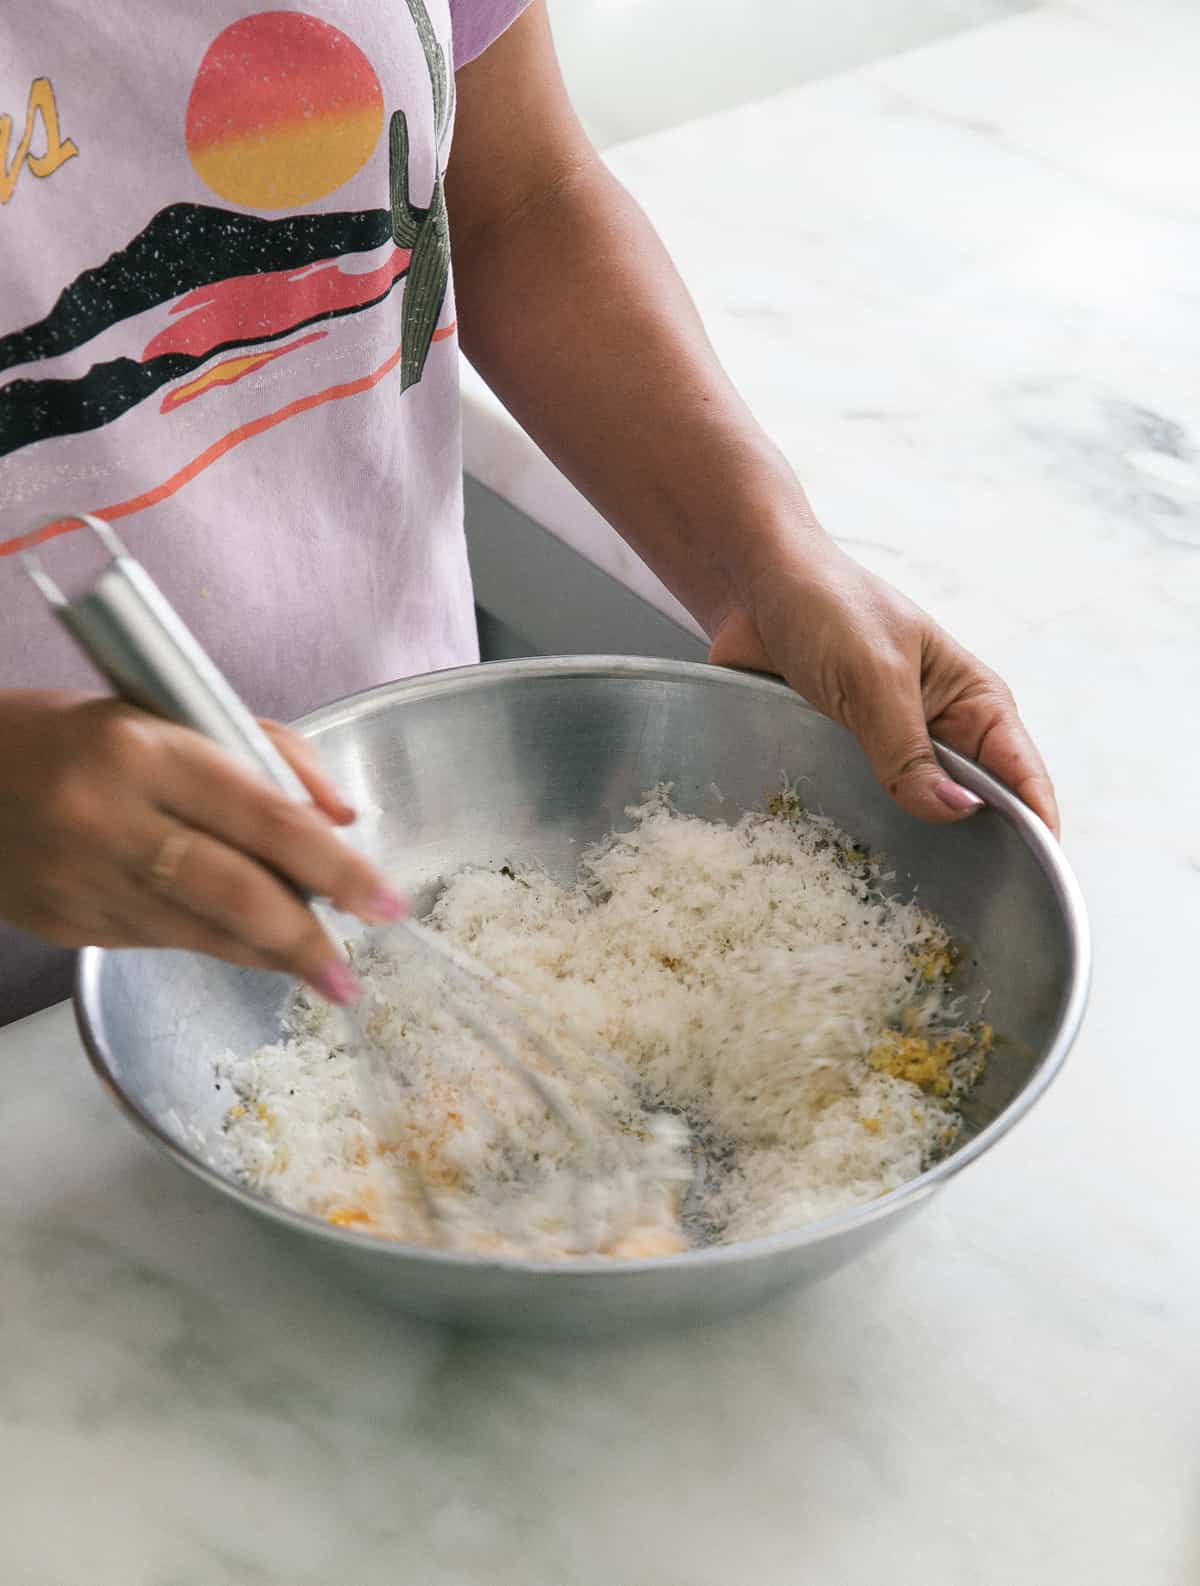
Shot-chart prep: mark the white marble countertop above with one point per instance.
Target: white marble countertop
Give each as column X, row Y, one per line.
column 963, row 301
column 973, row 321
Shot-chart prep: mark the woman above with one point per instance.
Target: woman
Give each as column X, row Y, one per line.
column 229, row 324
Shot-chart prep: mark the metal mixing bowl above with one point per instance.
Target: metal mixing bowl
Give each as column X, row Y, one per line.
column 532, row 760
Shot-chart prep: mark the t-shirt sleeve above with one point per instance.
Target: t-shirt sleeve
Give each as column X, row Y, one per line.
column 478, row 23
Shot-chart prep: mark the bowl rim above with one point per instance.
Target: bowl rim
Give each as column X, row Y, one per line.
column 1032, row 830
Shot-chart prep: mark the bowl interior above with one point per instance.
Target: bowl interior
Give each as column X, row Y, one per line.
column 535, row 760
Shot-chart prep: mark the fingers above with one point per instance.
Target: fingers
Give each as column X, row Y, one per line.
column 972, row 710
column 1005, row 748
column 305, row 762
column 154, row 924
column 196, row 893
column 886, row 711
column 201, row 788
column 877, row 664
column 119, row 829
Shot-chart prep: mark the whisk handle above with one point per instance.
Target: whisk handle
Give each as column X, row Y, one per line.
column 133, row 634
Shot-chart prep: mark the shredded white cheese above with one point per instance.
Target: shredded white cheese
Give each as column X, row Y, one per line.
column 754, row 980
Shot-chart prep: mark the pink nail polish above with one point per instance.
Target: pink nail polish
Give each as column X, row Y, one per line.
column 386, row 906
column 337, row 983
column 959, row 799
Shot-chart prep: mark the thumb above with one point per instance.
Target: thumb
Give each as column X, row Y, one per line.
column 890, row 725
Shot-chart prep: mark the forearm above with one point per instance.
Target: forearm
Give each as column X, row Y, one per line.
column 571, row 310
column 575, row 316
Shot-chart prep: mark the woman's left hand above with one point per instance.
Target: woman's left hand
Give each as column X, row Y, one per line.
column 864, row 655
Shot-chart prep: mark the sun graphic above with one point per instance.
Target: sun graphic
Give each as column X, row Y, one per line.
column 284, row 109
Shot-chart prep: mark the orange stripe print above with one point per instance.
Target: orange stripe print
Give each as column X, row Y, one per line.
column 213, row 453
column 230, row 372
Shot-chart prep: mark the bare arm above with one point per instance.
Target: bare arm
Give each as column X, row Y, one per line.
column 571, row 310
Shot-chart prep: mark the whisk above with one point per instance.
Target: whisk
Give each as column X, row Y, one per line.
column 626, row 1161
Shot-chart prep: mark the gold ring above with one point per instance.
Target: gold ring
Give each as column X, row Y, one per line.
column 168, row 860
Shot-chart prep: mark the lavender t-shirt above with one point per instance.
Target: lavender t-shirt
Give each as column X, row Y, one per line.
column 227, row 325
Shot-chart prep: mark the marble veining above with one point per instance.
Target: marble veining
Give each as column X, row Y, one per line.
column 960, row 338
column 980, row 347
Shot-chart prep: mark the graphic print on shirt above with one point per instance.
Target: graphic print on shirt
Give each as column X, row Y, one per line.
column 41, row 111
column 285, row 108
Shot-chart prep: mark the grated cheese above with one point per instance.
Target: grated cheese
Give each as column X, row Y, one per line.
column 755, row 980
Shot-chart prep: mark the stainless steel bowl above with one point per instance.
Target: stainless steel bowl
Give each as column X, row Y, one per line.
column 534, row 759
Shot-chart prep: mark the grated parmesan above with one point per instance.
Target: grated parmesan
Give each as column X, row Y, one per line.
column 755, row 981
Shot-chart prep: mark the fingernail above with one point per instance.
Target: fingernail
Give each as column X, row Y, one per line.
column 336, row 982
column 339, row 798
column 384, row 907
column 959, row 799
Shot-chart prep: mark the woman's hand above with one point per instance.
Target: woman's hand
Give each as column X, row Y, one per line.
column 120, row 830
column 863, row 654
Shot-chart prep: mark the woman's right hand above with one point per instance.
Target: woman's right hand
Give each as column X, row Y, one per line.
column 121, row 830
